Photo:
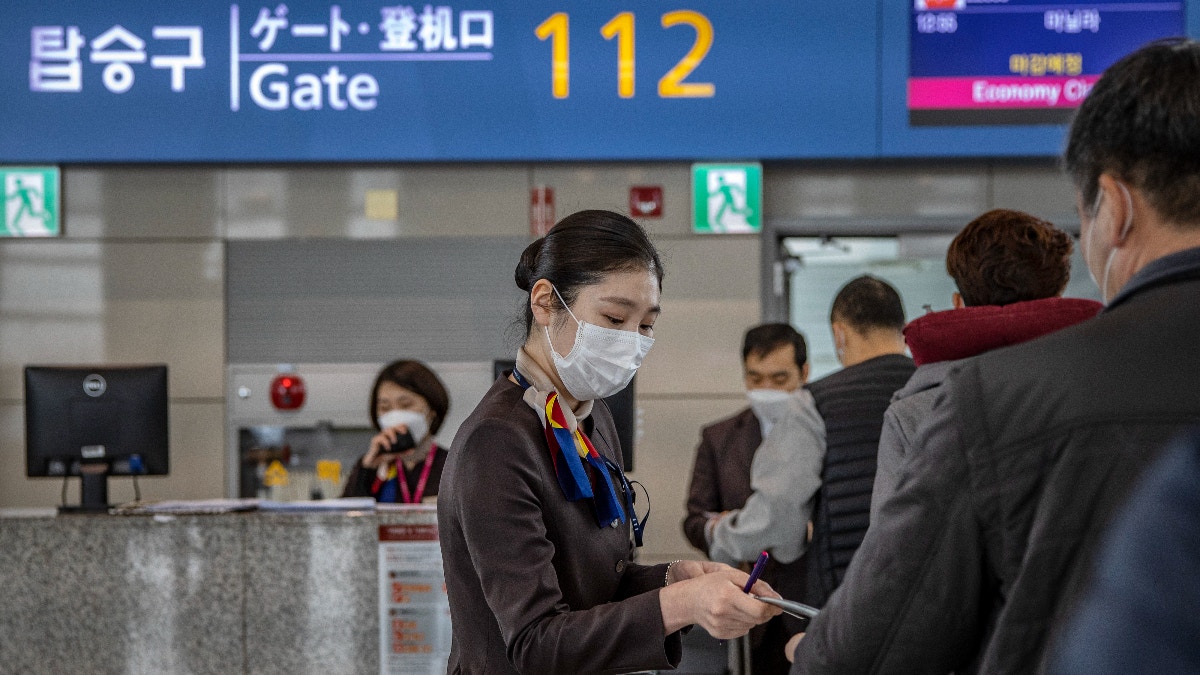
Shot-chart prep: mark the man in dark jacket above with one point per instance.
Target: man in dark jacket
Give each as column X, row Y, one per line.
column 987, row 542
column 774, row 360
column 866, row 320
column 1010, row 269
column 1140, row 614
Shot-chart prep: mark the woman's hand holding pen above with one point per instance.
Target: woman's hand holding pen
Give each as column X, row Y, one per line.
column 682, row 570
column 709, row 595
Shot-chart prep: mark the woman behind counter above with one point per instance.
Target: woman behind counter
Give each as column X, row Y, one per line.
column 408, row 401
column 536, row 521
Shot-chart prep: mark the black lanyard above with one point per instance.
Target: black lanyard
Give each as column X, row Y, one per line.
column 637, row 525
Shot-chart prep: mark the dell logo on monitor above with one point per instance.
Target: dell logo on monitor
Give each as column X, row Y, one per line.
column 94, row 385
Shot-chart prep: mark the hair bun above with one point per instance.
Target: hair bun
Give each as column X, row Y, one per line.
column 526, row 273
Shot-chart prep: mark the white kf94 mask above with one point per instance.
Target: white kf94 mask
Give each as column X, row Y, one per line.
column 417, row 425
column 603, row 360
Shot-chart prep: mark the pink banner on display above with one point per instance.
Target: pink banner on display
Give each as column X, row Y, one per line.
column 975, row 93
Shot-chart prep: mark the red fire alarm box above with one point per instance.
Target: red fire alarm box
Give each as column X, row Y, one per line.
column 646, row 201
column 287, row 391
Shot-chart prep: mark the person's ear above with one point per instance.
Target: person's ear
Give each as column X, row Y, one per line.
column 839, row 334
column 1118, row 204
column 541, row 301
column 956, row 300
column 804, row 371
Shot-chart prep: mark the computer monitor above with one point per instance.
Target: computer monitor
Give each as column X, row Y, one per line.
column 95, row 422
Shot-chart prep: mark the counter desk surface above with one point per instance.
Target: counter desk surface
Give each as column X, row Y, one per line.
column 234, row 593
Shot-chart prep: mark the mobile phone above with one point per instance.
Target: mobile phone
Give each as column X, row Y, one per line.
column 404, row 441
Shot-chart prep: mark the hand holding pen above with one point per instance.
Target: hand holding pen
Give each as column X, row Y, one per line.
column 710, row 594
column 759, row 566
column 796, row 609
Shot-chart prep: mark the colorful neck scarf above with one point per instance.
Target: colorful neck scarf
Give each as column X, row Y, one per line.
column 582, row 472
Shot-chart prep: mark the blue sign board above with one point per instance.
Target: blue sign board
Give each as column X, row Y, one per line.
column 477, row 80
column 1022, row 61
column 474, row 80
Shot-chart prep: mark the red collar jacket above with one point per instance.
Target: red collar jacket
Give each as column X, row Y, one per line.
column 961, row 333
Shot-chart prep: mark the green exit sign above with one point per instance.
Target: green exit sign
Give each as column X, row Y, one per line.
column 31, row 201
column 726, row 198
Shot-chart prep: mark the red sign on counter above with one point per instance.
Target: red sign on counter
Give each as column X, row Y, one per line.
column 408, row 533
column 414, row 612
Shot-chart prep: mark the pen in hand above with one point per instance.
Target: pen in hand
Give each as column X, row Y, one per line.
column 755, row 573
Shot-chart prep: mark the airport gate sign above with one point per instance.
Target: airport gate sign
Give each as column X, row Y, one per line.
column 726, row 198
column 31, row 201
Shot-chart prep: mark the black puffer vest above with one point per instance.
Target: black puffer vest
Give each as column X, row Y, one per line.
column 852, row 402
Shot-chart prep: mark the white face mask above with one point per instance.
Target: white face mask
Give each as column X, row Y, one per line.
column 603, row 360
column 417, row 424
column 1086, row 240
column 769, row 405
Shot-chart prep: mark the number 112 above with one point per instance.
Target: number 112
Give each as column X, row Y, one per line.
column 671, row 85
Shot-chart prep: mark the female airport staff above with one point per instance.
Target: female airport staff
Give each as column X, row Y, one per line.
column 535, row 516
column 403, row 464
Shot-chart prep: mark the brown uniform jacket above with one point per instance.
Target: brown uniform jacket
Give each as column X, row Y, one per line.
column 535, row 585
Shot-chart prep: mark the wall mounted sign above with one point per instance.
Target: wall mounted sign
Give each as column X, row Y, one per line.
column 31, row 201
column 541, row 210
column 304, row 80
column 726, row 198
column 646, row 201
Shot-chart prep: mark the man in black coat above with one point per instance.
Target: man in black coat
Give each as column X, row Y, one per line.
column 867, row 320
column 987, row 544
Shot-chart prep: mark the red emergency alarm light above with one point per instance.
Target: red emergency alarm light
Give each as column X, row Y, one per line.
column 287, row 391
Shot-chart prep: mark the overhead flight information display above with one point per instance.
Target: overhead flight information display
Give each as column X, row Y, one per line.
column 1021, row 61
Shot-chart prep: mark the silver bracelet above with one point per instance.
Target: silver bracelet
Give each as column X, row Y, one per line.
column 667, row 576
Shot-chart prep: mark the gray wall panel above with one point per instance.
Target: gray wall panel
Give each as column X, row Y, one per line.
column 438, row 299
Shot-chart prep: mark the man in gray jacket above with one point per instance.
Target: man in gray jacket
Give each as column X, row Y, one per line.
column 1010, row 269
column 988, row 541
column 755, row 474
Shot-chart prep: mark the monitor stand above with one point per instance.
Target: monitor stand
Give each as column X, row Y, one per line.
column 93, row 491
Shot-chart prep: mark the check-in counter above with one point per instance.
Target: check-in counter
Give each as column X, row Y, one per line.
column 252, row 592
